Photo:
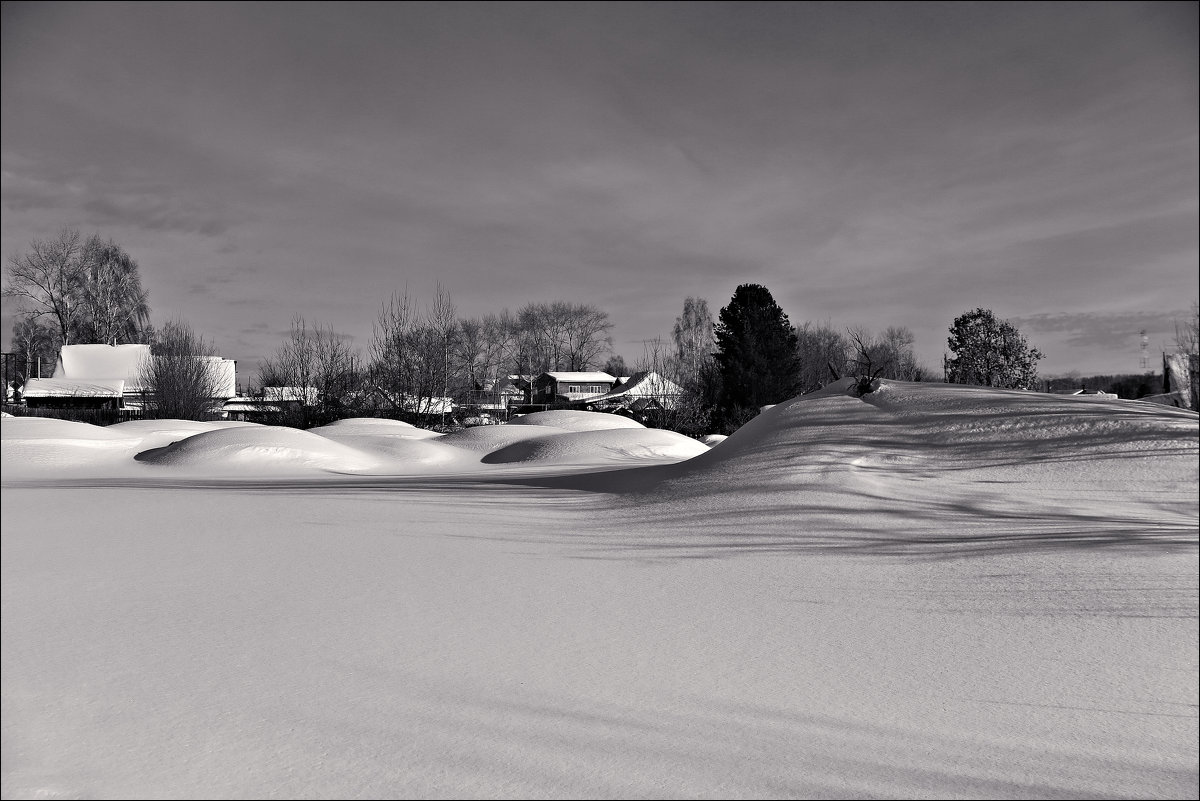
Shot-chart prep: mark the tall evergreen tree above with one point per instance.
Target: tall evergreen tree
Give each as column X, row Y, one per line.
column 756, row 355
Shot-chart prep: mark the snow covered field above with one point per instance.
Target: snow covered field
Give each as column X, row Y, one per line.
column 931, row 591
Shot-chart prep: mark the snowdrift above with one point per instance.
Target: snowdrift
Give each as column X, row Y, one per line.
column 373, row 427
column 899, row 596
column 572, row 420
column 34, row 447
column 600, row 446
column 980, row 465
column 261, row 449
column 37, row 445
column 486, row 439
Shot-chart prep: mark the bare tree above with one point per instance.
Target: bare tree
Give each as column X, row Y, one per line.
column 500, row 349
column 587, row 336
column 91, row 289
column 870, row 359
column 337, row 373
column 179, row 381
column 393, row 368
column 693, row 334
column 899, row 343
column 442, row 322
column 541, row 337
column 565, row 336
column 49, row 280
column 889, row 355
column 34, row 342
column 115, row 308
column 324, row 369
column 824, row 355
column 1187, row 333
column 294, row 362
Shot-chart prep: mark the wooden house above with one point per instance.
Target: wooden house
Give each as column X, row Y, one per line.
column 566, row 387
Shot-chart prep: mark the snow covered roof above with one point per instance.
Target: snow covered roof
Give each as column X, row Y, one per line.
column 646, row 384
column 592, row 377
column 104, row 362
column 69, row 388
column 244, row 404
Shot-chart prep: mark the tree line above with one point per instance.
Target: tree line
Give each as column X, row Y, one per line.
column 75, row 289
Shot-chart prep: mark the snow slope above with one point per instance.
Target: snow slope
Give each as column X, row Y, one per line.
column 930, row 591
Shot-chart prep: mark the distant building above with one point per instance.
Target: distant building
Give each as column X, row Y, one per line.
column 98, row 376
column 565, row 387
column 642, row 391
column 498, row 395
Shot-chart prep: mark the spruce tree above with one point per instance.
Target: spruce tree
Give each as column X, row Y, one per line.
column 756, row 355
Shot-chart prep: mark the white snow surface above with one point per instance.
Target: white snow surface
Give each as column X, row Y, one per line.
column 927, row 592
column 572, row 420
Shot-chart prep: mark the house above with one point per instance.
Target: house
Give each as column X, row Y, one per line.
column 560, row 387
column 98, row 376
column 58, row 393
column 497, row 395
column 250, row 410
column 379, row 401
column 640, row 391
column 91, row 377
column 267, row 407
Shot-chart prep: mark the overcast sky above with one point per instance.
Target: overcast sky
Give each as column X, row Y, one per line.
column 871, row 164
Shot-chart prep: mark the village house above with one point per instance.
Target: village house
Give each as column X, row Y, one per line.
column 497, row 396
column 100, row 376
column 643, row 391
column 565, row 387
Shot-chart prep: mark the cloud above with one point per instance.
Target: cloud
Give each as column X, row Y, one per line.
column 878, row 164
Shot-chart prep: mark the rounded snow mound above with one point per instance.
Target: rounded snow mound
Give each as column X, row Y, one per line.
column 182, row 427
column 261, row 449
column 157, row 433
column 35, row 445
column 573, row 420
column 601, row 447
column 25, row 428
column 400, row 454
column 373, row 426
column 486, row 439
